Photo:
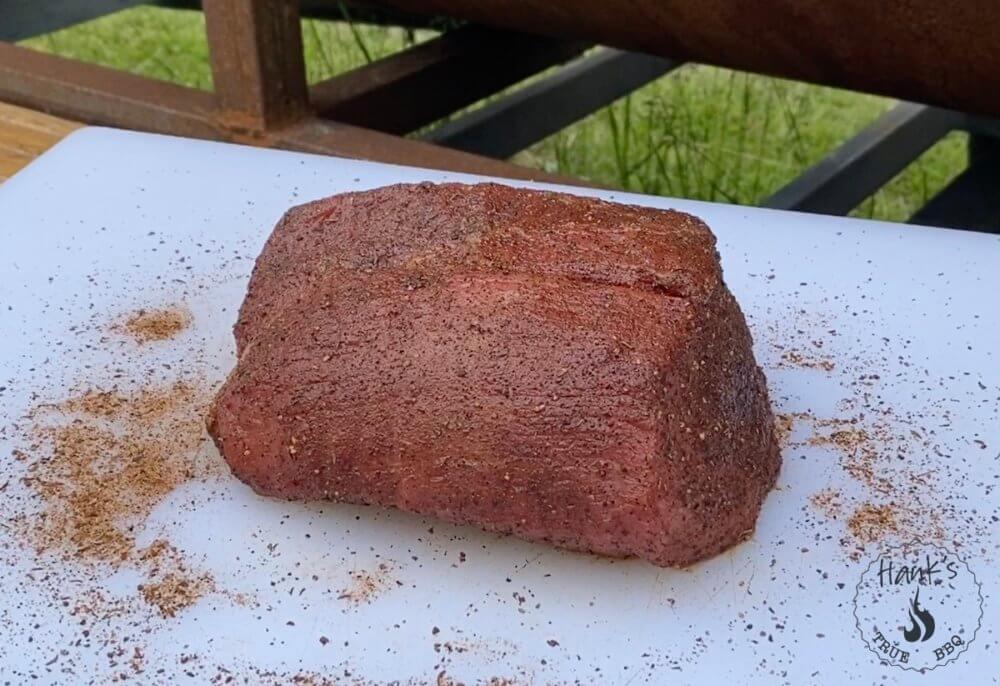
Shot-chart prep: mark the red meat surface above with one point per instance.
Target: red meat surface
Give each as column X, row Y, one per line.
column 560, row 368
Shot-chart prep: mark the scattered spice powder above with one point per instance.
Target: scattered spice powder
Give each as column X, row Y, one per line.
column 860, row 449
column 171, row 586
column 896, row 455
column 863, row 458
column 157, row 551
column 366, row 585
column 851, row 440
column 146, row 326
column 783, row 425
column 109, row 465
column 310, row 679
column 870, row 523
column 242, row 599
column 92, row 604
column 829, row 502
column 176, row 591
column 799, row 359
column 138, row 660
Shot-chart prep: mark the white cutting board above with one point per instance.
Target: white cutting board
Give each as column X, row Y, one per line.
column 97, row 226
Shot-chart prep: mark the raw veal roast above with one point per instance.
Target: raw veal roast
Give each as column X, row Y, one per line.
column 560, row 368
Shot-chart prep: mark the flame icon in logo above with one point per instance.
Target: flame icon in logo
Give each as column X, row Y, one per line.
column 921, row 621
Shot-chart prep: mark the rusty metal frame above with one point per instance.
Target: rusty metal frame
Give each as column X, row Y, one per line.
column 260, row 94
column 871, row 158
column 860, row 166
column 261, row 98
column 436, row 78
column 504, row 127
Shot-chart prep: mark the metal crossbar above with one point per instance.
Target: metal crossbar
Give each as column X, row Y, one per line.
column 843, row 179
column 863, row 164
column 516, row 121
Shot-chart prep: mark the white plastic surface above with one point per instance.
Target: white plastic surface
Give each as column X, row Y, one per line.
column 96, row 227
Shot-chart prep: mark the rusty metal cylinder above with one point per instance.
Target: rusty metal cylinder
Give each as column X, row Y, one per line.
column 931, row 51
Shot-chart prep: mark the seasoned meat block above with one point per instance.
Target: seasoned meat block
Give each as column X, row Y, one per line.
column 559, row 368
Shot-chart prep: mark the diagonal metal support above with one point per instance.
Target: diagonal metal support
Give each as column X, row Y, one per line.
column 866, row 162
column 437, row 78
column 540, row 109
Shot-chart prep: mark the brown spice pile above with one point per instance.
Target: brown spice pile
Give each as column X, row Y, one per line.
column 870, row 523
column 157, row 325
column 113, row 457
column 171, row 586
column 175, row 591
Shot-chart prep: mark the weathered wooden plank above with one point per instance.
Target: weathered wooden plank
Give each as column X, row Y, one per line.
column 26, row 134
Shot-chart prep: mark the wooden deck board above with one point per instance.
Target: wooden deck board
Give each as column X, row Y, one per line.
column 26, row 134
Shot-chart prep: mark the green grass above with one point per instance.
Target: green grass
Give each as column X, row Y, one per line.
column 727, row 136
column 701, row 132
column 171, row 45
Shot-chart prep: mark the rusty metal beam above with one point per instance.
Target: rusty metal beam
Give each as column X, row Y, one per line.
column 437, row 78
column 940, row 53
column 261, row 96
column 98, row 95
column 517, row 121
column 329, row 138
column 258, row 68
